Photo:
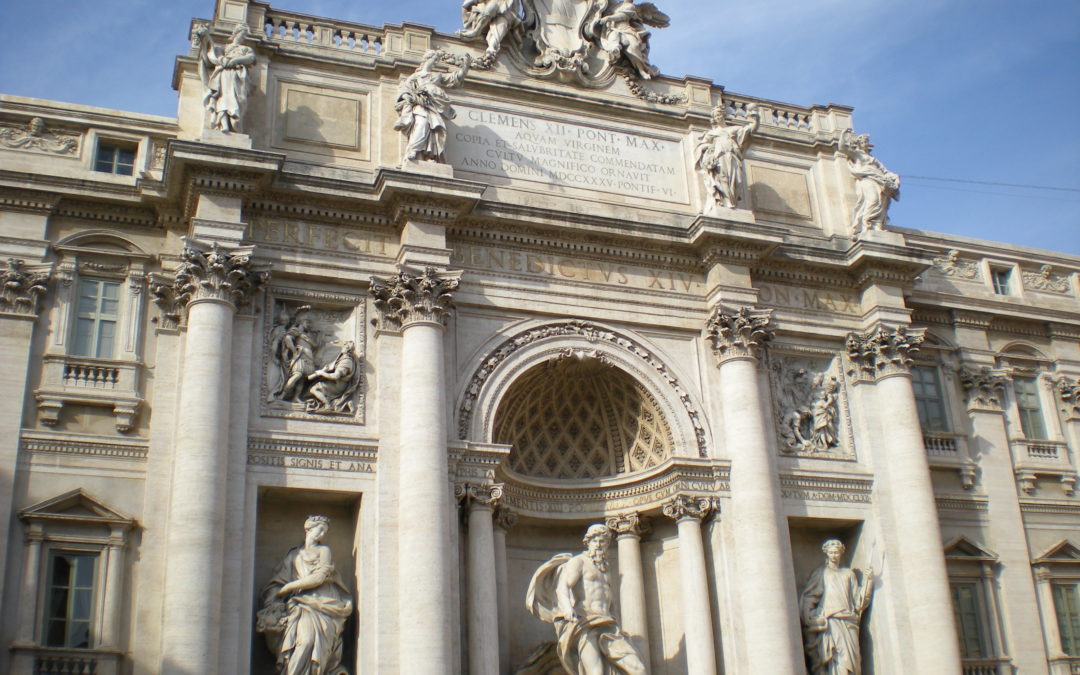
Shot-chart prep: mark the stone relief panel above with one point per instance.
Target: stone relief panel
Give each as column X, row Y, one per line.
column 808, row 402
column 1046, row 280
column 313, row 356
column 951, row 264
column 36, row 137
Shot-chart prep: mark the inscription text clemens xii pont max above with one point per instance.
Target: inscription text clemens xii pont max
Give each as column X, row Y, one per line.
column 558, row 153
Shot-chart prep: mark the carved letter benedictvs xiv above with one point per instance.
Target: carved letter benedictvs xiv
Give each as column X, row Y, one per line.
column 405, row 298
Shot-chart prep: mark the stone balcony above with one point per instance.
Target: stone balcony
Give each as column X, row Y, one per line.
column 1034, row 458
column 1065, row 665
column 88, row 381
column 57, row 661
column 996, row 666
column 948, row 450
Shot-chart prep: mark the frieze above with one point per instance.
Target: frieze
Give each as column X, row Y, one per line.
column 576, row 268
column 592, row 333
column 84, row 446
column 809, row 299
column 310, row 454
column 1050, row 507
column 329, row 238
column 836, row 489
column 976, row 504
column 108, row 213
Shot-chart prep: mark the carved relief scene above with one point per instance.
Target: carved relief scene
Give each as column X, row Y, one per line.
column 808, row 399
column 314, row 365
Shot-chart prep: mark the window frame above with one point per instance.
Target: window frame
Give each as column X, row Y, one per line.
column 1074, row 637
column 95, row 316
column 140, row 145
column 942, row 397
column 49, row 555
column 968, row 562
column 1059, row 565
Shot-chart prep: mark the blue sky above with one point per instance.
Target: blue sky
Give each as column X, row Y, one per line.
column 974, row 90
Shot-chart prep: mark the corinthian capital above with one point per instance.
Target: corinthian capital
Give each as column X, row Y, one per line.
column 504, row 518
column 406, row 298
column 984, row 388
column 627, row 524
column 214, row 274
column 684, row 506
column 22, row 288
column 738, row 333
column 1069, row 393
column 882, row 351
column 471, row 494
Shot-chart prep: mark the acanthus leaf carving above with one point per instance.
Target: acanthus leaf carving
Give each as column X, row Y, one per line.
column 23, row 288
column 681, row 507
column 217, row 274
column 505, row 518
column 1069, row 393
column 984, row 388
column 883, row 352
column 741, row 333
column 407, row 298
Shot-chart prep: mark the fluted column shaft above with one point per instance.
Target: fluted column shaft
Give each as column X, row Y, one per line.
column 633, row 614
column 697, row 614
column 483, row 612
column 768, row 610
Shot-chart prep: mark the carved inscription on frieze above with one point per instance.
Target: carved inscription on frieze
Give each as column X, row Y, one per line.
column 557, row 153
column 565, row 267
column 320, row 237
column 813, row 299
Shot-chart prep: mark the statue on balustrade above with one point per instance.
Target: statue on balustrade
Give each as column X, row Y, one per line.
column 875, row 186
column 573, row 593
column 304, row 608
column 719, row 158
column 335, row 383
column 494, row 19
column 423, row 105
column 831, row 608
column 224, row 73
column 623, row 34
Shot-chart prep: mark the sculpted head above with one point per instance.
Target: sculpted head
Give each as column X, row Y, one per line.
column 834, row 550
column 240, row 33
column 719, row 116
column 37, row 126
column 317, row 526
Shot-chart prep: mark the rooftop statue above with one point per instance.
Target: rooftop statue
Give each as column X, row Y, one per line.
column 875, row 186
column 572, row 592
column 623, row 35
column 492, row 19
column 423, row 105
column 224, row 73
column 719, row 158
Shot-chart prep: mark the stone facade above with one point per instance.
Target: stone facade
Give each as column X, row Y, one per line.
column 465, row 296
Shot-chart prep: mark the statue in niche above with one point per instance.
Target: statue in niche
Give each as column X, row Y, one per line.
column 305, row 606
column 875, row 186
column 224, row 74
column 573, row 593
column 807, row 407
column 335, row 383
column 831, row 607
column 494, row 19
column 423, row 106
column 37, row 137
column 718, row 157
column 623, row 35
column 293, row 344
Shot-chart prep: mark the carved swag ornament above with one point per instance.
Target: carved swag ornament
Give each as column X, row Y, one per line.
column 407, row 298
column 738, row 334
column 22, row 288
column 984, row 388
column 882, row 351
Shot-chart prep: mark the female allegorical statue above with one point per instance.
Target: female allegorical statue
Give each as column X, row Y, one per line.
column 831, row 608
column 305, row 606
column 227, row 82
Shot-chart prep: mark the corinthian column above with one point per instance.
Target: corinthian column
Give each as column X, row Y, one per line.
column 766, row 578
column 628, row 529
column 504, row 520
column 419, row 305
column 483, row 611
column 884, row 357
column 688, row 512
column 210, row 285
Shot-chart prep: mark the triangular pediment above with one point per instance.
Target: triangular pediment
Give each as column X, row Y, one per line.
column 962, row 548
column 1062, row 552
column 77, row 506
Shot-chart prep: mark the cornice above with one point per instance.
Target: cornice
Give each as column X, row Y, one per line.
column 335, row 211
column 123, row 214
column 27, row 201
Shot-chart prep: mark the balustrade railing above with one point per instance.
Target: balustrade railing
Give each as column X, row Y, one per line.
column 941, row 444
column 352, row 38
column 65, row 664
column 987, row 667
column 90, row 375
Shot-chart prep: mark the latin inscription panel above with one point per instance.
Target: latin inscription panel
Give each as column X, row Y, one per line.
column 561, row 154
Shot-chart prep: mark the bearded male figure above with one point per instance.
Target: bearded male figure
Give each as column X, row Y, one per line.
column 572, row 592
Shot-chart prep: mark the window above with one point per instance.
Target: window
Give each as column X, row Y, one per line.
column 98, row 311
column 1067, row 608
column 1002, row 278
column 928, row 398
column 115, row 158
column 70, row 599
column 1027, row 403
column 970, row 623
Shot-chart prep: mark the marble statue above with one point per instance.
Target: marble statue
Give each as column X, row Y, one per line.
column 423, row 106
column 875, row 186
column 492, row 19
column 292, row 346
column 623, row 35
column 719, row 158
column 335, row 383
column 573, row 593
column 305, row 606
column 831, row 607
column 224, row 73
